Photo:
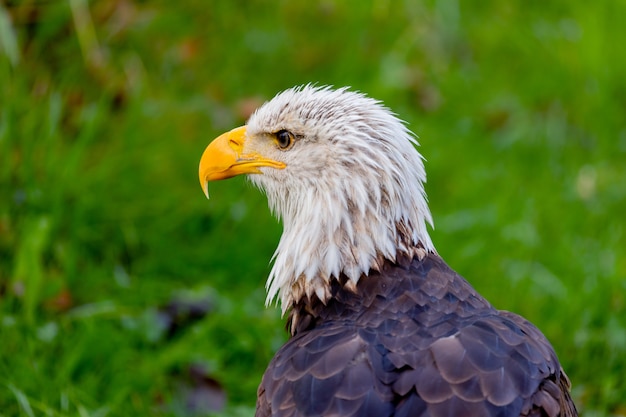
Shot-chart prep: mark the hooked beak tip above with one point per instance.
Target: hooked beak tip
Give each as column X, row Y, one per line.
column 205, row 188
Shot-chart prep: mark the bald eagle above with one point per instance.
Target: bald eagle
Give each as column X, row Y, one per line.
column 380, row 325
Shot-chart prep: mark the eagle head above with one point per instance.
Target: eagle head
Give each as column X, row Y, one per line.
column 342, row 173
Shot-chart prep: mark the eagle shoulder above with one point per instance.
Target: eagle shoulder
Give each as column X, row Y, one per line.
column 413, row 340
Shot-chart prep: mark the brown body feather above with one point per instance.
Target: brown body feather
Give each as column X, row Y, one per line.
column 414, row 339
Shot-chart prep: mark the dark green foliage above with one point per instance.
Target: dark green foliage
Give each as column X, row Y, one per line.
column 106, row 107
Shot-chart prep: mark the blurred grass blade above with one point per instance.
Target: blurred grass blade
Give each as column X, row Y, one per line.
column 29, row 270
column 83, row 412
column 86, row 32
column 92, row 310
column 22, row 400
column 8, row 40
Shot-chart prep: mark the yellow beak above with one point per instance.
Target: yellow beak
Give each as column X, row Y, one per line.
column 223, row 158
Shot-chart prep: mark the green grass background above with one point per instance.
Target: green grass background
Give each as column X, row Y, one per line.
column 106, row 107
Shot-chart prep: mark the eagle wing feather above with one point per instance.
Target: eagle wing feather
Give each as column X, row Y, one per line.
column 376, row 357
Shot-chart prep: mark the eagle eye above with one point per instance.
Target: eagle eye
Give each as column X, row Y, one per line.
column 284, row 139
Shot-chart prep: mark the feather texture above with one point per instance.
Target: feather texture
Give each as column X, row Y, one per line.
column 351, row 195
column 415, row 340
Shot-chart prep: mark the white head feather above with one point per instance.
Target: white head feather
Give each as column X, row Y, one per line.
column 351, row 194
